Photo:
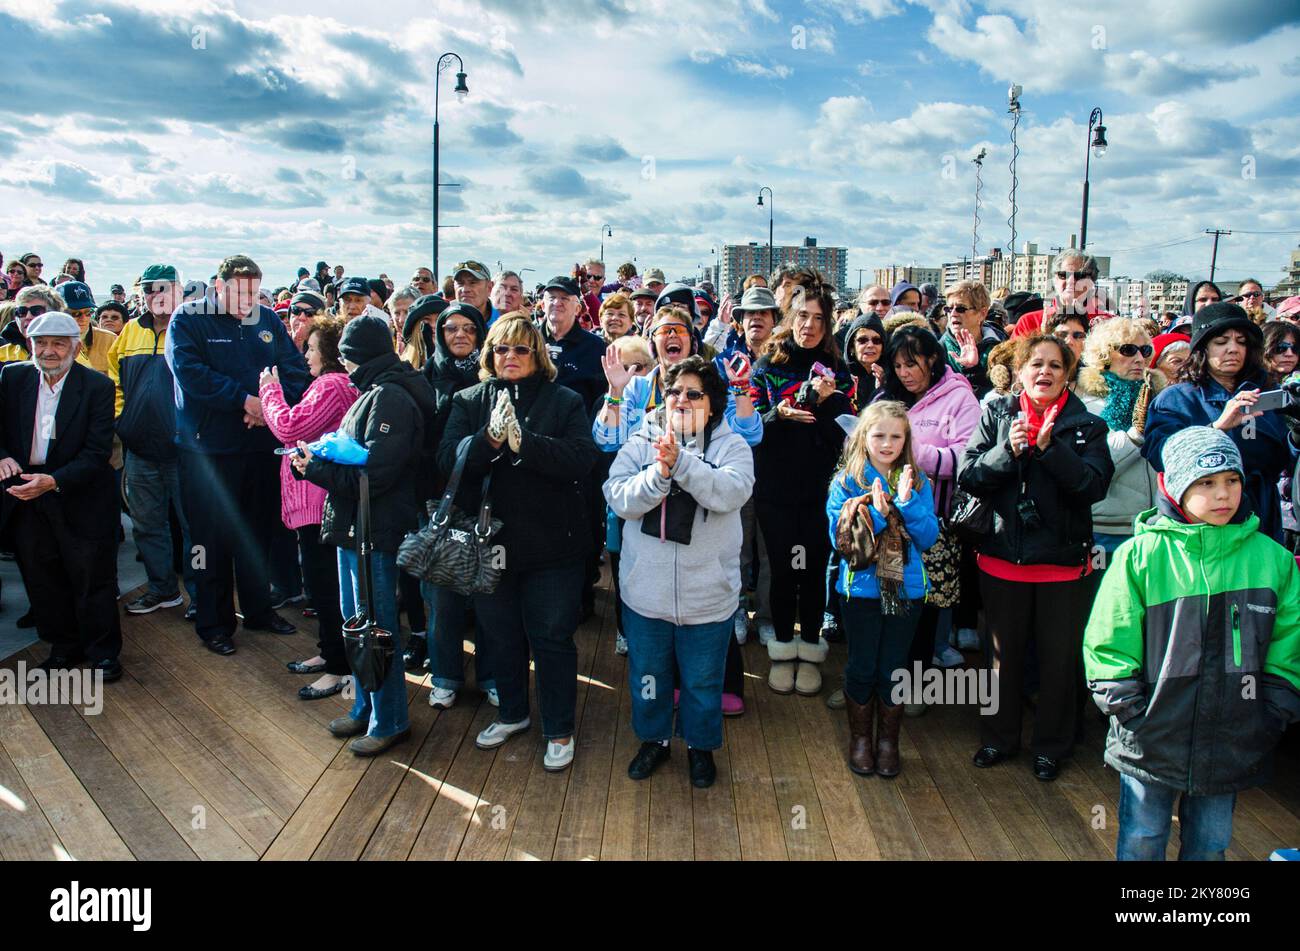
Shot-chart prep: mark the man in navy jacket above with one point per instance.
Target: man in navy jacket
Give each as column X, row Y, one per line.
column 217, row 347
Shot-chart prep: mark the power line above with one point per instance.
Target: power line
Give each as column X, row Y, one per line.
column 1156, row 247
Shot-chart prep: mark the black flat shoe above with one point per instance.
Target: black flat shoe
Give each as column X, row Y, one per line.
column 273, row 623
column 1046, row 768
column 990, row 756
column 220, row 645
column 647, row 760
column 703, row 771
column 111, row 668
column 59, row 660
column 319, row 693
column 414, row 658
column 298, row 667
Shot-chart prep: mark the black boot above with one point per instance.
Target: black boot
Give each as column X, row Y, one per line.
column 703, row 771
column 417, row 648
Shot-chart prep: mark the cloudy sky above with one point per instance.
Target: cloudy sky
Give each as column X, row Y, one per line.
column 294, row 131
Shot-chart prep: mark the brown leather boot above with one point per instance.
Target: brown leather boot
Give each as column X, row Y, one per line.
column 891, row 719
column 861, row 716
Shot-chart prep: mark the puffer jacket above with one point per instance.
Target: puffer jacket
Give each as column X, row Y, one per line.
column 697, row 583
column 1064, row 483
column 389, row 419
column 1133, row 487
column 146, row 401
column 1193, row 650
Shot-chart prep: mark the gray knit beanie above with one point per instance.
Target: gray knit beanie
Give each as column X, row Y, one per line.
column 1197, row 452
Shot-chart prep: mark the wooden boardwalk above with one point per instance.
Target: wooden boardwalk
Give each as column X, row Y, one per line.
column 200, row 756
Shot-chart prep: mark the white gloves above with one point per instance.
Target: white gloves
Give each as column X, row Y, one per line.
column 503, row 426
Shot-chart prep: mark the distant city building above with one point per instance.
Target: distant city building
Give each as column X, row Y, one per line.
column 916, row 276
column 1289, row 286
column 1132, row 298
column 741, row 260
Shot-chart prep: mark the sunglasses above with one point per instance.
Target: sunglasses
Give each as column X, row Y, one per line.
column 519, row 350
column 1253, row 294
column 456, row 330
column 1078, row 275
column 673, row 331
column 1132, row 350
column 676, row 393
column 870, row 341
column 1284, row 348
column 36, row 264
column 35, row 310
column 883, row 302
column 303, row 311
column 82, row 312
column 421, row 280
column 1071, row 334
column 955, row 308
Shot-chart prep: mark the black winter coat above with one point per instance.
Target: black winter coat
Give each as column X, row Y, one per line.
column 389, row 419
column 538, row 493
column 447, row 379
column 1064, row 482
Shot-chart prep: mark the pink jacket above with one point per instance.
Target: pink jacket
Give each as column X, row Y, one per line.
column 321, row 410
column 942, row 421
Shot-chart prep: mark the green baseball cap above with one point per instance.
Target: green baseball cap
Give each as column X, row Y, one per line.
column 158, row 272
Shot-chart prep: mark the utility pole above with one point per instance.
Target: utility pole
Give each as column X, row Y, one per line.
column 860, row 270
column 1214, row 255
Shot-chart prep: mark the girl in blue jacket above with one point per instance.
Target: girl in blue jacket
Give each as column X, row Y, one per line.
column 881, row 605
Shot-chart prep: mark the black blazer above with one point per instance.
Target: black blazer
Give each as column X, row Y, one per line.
column 78, row 454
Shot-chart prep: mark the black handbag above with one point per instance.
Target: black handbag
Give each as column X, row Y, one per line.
column 454, row 550
column 368, row 647
column 674, row 518
column 972, row 517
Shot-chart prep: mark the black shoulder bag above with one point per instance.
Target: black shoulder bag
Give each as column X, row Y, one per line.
column 368, row 647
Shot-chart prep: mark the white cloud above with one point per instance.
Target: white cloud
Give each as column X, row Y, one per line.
column 749, row 68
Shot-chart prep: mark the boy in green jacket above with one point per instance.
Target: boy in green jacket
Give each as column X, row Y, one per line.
column 1193, row 650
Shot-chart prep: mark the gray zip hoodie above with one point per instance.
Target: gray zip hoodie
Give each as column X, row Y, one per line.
column 697, row 583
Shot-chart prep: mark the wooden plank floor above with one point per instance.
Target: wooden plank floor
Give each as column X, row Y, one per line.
column 200, row 756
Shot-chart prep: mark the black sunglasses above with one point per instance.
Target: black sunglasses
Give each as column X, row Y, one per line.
column 1071, row 334
column 676, row 392
column 303, row 311
column 955, row 308
column 518, row 350
column 1078, row 275
column 1284, row 347
column 1132, row 349
column 35, row 310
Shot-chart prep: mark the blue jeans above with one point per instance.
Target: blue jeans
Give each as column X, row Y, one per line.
column 701, row 652
column 151, row 489
column 878, row 645
column 535, row 610
column 385, row 709
column 1146, row 813
column 446, row 613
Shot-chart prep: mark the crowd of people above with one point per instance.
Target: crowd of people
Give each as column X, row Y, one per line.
column 1072, row 501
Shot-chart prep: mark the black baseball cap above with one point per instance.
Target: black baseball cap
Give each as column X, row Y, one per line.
column 561, row 283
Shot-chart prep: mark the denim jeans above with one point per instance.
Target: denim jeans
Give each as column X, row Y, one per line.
column 535, row 610
column 385, row 709
column 878, row 646
column 152, row 488
column 701, row 653
column 445, row 630
column 1146, row 813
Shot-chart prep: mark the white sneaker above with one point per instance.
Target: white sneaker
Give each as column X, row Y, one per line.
column 492, row 697
column 558, row 756
column 949, row 657
column 766, row 632
column 497, row 733
column 620, row 646
column 441, row 698
column 968, row 639
column 741, row 627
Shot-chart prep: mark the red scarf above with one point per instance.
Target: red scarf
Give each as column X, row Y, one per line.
column 1036, row 418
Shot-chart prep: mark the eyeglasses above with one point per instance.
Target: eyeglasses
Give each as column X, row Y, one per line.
column 456, row 330
column 882, row 302
column 36, row 264
column 1077, row 275
column 676, row 393
column 1252, row 294
column 672, row 331
column 1283, row 348
column 82, row 312
column 955, row 308
column 519, row 350
column 1132, row 349
column 34, row 311
column 1071, row 334
column 1207, row 300
column 303, row 311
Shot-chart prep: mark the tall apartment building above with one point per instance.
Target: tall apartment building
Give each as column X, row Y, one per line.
column 889, row 276
column 741, row 260
column 1289, row 286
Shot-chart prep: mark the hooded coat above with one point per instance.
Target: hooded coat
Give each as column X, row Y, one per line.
column 447, row 376
column 864, row 379
column 1189, row 302
column 1133, row 487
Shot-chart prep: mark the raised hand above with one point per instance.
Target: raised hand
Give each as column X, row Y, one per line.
column 969, row 355
column 904, row 485
column 617, row 374
column 1045, row 433
column 879, row 498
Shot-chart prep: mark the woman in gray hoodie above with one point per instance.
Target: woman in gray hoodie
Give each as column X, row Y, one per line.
column 679, row 484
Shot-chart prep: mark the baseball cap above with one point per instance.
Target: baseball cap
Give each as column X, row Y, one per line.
column 561, row 283
column 473, row 268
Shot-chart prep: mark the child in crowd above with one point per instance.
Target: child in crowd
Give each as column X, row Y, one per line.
column 879, row 482
column 1193, row 650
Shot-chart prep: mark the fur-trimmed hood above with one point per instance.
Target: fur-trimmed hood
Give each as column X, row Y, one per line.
column 1092, row 383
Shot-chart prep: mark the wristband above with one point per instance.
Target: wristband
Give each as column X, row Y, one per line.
column 613, row 400
column 739, row 390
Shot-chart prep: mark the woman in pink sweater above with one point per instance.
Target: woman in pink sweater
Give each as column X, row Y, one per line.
column 321, row 410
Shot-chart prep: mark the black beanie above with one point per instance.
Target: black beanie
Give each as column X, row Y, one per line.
column 365, row 338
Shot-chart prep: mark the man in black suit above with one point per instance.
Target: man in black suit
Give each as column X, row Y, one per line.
column 56, row 436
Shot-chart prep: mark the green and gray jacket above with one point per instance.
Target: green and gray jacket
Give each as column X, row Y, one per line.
column 1193, row 650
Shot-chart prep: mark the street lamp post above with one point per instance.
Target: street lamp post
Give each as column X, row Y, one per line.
column 771, row 211
column 462, row 90
column 1096, row 146
column 979, row 183
column 605, row 232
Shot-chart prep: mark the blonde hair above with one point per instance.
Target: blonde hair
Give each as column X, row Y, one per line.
column 633, row 349
column 515, row 327
column 1106, row 335
column 618, row 300
column 971, row 293
column 853, row 463
column 414, row 352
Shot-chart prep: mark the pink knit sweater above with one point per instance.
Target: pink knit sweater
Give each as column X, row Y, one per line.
column 323, row 407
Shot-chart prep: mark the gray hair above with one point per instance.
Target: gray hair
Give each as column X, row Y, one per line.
column 42, row 293
column 402, row 293
column 515, row 274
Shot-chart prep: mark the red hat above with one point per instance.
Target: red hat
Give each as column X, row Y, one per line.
column 1160, row 343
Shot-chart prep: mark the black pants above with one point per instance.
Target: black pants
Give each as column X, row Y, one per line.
column 411, row 602
column 798, row 545
column 320, row 566
column 286, row 573
column 71, row 581
column 232, row 505
column 1054, row 614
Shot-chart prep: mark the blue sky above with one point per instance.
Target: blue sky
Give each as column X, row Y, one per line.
column 294, row 131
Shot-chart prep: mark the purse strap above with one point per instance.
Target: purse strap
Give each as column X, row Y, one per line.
column 443, row 513
column 364, row 590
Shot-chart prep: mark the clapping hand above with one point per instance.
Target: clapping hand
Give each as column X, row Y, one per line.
column 1045, row 431
column 269, row 375
column 666, row 450
column 969, row 355
column 499, row 423
column 905, row 485
column 879, row 498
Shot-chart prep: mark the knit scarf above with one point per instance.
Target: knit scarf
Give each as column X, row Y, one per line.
column 467, row 364
column 1120, row 400
column 1035, row 418
column 892, row 549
